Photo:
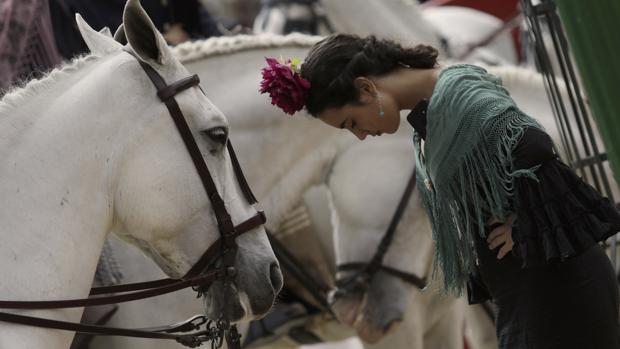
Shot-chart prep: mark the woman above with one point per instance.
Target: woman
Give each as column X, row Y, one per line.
column 510, row 220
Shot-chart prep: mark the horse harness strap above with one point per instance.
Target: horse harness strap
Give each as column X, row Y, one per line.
column 367, row 270
column 191, row 340
column 407, row 277
column 198, row 276
column 297, row 269
column 149, row 288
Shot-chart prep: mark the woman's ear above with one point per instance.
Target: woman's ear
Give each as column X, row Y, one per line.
column 367, row 89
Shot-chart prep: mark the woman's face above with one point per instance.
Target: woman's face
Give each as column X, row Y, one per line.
column 363, row 118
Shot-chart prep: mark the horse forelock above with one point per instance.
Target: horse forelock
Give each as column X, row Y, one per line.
column 21, row 92
column 195, row 50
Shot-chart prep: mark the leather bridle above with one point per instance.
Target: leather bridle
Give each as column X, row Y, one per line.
column 200, row 276
column 364, row 271
column 359, row 281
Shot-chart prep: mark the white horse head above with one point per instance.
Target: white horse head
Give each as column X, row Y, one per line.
column 367, row 182
column 90, row 149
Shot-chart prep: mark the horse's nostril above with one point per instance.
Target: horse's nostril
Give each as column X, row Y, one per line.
column 217, row 134
column 275, row 275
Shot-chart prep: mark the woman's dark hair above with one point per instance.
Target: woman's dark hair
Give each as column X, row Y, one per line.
column 334, row 62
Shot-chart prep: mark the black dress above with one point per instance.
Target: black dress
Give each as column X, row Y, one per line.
column 557, row 288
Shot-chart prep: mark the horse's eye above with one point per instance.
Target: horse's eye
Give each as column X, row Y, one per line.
column 218, row 134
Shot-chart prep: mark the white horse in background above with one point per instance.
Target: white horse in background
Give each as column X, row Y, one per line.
column 366, row 183
column 90, row 149
column 454, row 30
column 394, row 19
column 451, row 29
column 464, row 28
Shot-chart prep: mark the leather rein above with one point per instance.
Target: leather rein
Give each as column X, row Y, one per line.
column 199, row 277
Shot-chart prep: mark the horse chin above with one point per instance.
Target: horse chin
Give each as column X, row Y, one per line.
column 226, row 303
column 361, row 313
column 372, row 334
column 348, row 309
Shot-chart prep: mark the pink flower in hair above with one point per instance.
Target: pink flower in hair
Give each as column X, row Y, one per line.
column 286, row 87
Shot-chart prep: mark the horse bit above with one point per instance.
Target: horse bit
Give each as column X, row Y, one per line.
column 199, row 277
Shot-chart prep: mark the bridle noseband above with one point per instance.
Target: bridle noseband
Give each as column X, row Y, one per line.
column 200, row 276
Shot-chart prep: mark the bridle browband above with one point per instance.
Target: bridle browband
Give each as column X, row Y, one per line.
column 200, row 276
column 360, row 280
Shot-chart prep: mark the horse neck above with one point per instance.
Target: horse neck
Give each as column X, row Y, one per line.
column 59, row 163
column 282, row 167
column 395, row 19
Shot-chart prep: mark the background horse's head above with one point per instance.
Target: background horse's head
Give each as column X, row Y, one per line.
column 367, row 182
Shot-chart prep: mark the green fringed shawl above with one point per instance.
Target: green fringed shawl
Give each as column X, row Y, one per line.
column 465, row 176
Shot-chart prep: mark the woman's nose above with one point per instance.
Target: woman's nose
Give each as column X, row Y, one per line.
column 361, row 135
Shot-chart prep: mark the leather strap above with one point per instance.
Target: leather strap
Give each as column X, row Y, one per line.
column 208, row 257
column 173, row 89
column 245, row 187
column 299, row 272
column 82, row 302
column 405, row 276
column 192, row 340
column 151, row 288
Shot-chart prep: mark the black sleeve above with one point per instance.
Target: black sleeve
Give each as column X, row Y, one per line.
column 534, row 148
column 558, row 214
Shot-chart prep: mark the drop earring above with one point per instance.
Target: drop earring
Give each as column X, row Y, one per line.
column 381, row 112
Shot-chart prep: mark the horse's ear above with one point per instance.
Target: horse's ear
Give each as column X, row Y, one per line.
column 142, row 35
column 106, row 31
column 119, row 35
column 98, row 43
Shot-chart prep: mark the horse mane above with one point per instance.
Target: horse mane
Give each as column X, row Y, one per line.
column 21, row 92
column 526, row 77
column 216, row 46
column 514, row 74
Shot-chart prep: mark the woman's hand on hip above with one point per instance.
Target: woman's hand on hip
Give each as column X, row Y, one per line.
column 502, row 236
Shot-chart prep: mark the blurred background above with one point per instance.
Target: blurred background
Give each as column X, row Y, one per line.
column 36, row 35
